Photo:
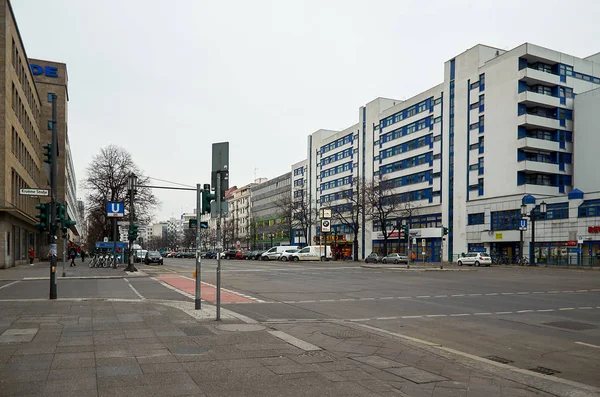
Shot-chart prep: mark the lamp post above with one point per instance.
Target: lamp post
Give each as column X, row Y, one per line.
column 271, row 235
column 131, row 184
column 533, row 216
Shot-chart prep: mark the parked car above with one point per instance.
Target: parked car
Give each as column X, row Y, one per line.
column 171, row 254
column 258, row 254
column 229, row 254
column 373, row 258
column 274, row 252
column 211, row 255
column 240, row 254
column 139, row 256
column 153, row 257
column 395, row 258
column 248, row 255
column 311, row 253
column 475, row 258
column 287, row 255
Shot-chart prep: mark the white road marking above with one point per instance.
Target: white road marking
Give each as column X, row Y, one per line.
column 508, row 293
column 459, row 295
column 553, row 292
column 385, row 298
column 503, row 313
column 582, row 290
column 424, row 296
column 9, row 284
column 436, row 315
column 327, row 300
column 522, row 293
column 292, row 340
column 386, row 318
column 228, row 290
column 475, row 294
column 135, row 290
column 538, row 292
column 482, row 314
column 460, row 315
column 492, row 294
column 525, row 311
column 566, row 291
column 305, row 301
column 441, row 296
column 567, row 308
column 358, row 319
column 173, row 288
column 585, row 308
column 588, row 344
column 546, row 310
column 411, row 317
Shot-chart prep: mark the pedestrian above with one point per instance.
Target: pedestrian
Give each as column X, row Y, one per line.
column 413, row 256
column 31, row 256
column 83, row 254
column 73, row 255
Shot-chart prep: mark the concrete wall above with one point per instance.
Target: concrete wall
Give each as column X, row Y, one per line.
column 587, row 141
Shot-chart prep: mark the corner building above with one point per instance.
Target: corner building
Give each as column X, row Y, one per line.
column 500, row 126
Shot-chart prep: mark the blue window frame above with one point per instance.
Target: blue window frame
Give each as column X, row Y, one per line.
column 406, row 163
column 553, row 211
column 505, row 220
column 406, row 180
column 406, row 130
column 336, row 156
column 336, row 183
column 589, row 208
column 415, row 195
column 337, row 143
column 50, row 96
column 336, row 196
column 406, row 147
column 476, row 219
column 299, row 182
column 408, row 112
column 336, row 170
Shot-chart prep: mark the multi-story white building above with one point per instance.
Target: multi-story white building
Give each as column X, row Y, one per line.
column 238, row 217
column 502, row 125
column 268, row 220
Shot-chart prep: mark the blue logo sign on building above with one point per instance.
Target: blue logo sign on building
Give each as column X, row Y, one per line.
column 522, row 224
column 115, row 209
column 49, row 71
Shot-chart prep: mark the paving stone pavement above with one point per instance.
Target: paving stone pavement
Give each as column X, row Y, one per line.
column 110, row 348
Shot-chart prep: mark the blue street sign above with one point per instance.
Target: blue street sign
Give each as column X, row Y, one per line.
column 115, row 209
column 111, row 244
column 522, row 224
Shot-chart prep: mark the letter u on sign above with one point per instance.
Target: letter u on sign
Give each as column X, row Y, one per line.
column 114, row 209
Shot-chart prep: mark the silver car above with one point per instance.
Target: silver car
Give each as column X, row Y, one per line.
column 475, row 258
column 395, row 258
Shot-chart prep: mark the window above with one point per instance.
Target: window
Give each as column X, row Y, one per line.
column 49, row 125
column 406, row 130
column 480, row 165
column 437, row 101
column 406, row 163
column 505, row 220
column 553, row 211
column 474, row 85
column 476, row 219
column 50, row 96
column 481, row 142
column 589, row 208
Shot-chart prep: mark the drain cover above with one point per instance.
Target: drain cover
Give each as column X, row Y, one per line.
column 572, row 325
column 499, row 359
column 544, row 370
column 346, row 334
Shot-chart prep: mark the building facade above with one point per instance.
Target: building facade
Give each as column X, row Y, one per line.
column 238, row 218
column 268, row 217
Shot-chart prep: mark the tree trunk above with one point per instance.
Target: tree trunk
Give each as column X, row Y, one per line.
column 356, row 246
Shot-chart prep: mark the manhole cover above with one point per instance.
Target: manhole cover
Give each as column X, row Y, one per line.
column 499, row 359
column 240, row 327
column 572, row 325
column 346, row 334
column 544, row 370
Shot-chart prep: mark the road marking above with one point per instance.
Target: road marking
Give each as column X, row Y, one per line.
column 482, row 314
column 538, row 292
column 503, row 313
column 227, row 290
column 327, row 300
column 553, row 292
column 441, row 296
column 522, row 293
column 384, row 298
column 135, row 290
column 352, row 299
column 173, row 288
column 460, row 315
column 459, row 295
column 305, row 301
column 588, row 344
column 525, row 311
column 566, row 291
column 292, row 340
column 359, row 319
column 546, row 310
column 424, row 296
column 567, row 308
column 475, row 294
column 411, row 317
column 585, row 308
column 386, row 318
column 581, row 290
column 436, row 315
column 508, row 293
column 367, row 299
column 492, row 294
column 9, row 284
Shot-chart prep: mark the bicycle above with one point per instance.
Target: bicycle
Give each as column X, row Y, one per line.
column 94, row 261
column 523, row 261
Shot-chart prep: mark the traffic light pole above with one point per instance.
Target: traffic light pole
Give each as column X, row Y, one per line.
column 218, row 200
column 197, row 301
column 132, row 182
column 114, row 225
column 53, row 180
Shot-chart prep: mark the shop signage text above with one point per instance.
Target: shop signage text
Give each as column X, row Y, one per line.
column 593, row 229
column 49, row 71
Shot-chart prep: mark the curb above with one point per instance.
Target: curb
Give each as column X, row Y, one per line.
column 416, row 269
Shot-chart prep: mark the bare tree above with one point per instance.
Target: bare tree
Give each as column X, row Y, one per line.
column 298, row 213
column 189, row 238
column 156, row 243
column 349, row 212
column 383, row 206
column 106, row 181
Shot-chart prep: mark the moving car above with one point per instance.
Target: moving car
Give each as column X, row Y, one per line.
column 312, row 253
column 287, row 255
column 395, row 258
column 373, row 258
column 139, row 255
column 153, row 257
column 475, row 258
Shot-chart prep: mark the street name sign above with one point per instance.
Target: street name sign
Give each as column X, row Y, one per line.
column 34, row 192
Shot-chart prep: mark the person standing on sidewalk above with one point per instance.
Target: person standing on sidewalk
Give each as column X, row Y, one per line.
column 31, row 256
column 73, row 255
column 82, row 256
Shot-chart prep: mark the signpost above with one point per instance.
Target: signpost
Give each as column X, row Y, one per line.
column 522, row 224
column 193, row 224
column 34, row 192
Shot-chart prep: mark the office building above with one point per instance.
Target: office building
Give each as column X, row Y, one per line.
column 269, row 220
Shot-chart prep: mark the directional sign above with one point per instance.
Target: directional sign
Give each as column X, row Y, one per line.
column 580, row 240
column 115, row 209
column 193, row 224
column 34, row 192
column 423, row 242
column 123, row 223
column 522, row 224
column 325, row 225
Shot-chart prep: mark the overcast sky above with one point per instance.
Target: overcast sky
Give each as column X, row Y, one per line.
column 166, row 79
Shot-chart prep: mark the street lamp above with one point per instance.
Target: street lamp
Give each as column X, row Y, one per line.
column 131, row 185
column 533, row 216
column 271, row 235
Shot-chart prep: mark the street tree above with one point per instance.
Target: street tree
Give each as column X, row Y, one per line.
column 298, row 213
column 189, row 238
column 349, row 212
column 106, row 181
column 383, row 206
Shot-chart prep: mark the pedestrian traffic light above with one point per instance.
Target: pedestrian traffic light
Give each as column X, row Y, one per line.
column 66, row 224
column 61, row 213
column 47, row 153
column 445, row 230
column 207, row 197
column 204, row 225
column 133, row 232
column 43, row 216
column 405, row 231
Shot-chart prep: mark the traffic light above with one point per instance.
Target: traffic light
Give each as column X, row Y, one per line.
column 133, row 232
column 43, row 216
column 207, row 197
column 61, row 213
column 445, row 231
column 66, row 224
column 47, row 153
column 404, row 232
column 204, row 225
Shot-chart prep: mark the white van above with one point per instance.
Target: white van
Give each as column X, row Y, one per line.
column 274, row 252
column 311, row 253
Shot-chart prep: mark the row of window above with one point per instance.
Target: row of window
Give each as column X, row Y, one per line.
column 479, row 104
column 342, row 208
column 409, row 112
column 337, row 143
column 415, row 195
column 26, row 123
column 336, row 156
column 337, row 169
column 22, row 154
column 408, row 180
column 298, row 193
column 21, row 71
column 415, row 222
column 406, row 130
column 299, row 182
column 299, row 171
column 554, row 113
column 526, row 178
column 406, row 163
column 347, row 180
column 545, row 157
column 406, row 147
column 327, row 198
column 509, row 220
column 555, row 135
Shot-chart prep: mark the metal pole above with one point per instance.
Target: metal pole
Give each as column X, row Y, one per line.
column 132, row 182
column 218, row 200
column 64, row 254
column 53, row 183
column 197, row 304
column 521, row 246
column 114, row 224
column 533, row 256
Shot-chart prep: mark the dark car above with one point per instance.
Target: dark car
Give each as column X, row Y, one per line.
column 211, row 255
column 258, row 254
column 153, row 257
column 241, row 254
column 230, row 254
column 373, row 258
column 249, row 255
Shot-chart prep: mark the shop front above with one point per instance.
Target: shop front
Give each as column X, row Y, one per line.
column 340, row 245
column 426, row 244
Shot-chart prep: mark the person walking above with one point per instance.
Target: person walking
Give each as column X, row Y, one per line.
column 73, row 255
column 31, row 256
column 82, row 256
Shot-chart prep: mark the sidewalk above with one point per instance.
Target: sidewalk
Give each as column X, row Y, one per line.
column 82, row 270
column 116, row 348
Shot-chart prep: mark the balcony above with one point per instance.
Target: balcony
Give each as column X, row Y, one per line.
column 530, row 120
column 538, row 144
column 531, row 98
column 536, row 166
column 533, row 76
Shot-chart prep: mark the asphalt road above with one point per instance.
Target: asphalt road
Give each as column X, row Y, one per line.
column 531, row 317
